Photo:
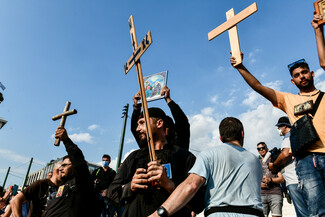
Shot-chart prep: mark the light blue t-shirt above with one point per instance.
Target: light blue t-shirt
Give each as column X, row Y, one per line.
column 233, row 177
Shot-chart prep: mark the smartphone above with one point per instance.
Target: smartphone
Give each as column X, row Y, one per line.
column 15, row 189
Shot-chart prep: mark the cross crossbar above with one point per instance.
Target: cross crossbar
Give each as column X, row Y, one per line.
column 230, row 25
column 67, row 113
column 233, row 21
column 145, row 43
column 63, row 117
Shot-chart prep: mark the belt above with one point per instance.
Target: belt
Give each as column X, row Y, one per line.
column 234, row 209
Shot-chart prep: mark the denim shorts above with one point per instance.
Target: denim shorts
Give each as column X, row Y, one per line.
column 272, row 203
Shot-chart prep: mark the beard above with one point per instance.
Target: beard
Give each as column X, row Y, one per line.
column 66, row 178
column 142, row 140
column 310, row 83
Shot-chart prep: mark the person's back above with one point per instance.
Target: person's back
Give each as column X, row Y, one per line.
column 231, row 175
column 234, row 176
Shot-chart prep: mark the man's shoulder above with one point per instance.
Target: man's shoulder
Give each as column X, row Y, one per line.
column 111, row 171
column 36, row 187
column 40, row 182
column 286, row 95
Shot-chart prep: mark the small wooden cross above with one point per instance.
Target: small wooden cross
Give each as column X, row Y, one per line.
column 138, row 50
column 63, row 117
column 230, row 25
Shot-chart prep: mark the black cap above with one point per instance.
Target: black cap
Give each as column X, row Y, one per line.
column 155, row 113
column 283, row 121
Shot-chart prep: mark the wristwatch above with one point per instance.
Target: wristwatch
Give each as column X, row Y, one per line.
column 161, row 211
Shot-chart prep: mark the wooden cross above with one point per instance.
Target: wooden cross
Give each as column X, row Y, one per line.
column 138, row 50
column 63, row 117
column 230, row 25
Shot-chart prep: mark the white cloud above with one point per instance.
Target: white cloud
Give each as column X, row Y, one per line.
column 318, row 74
column 204, row 129
column 229, row 102
column 214, row 99
column 320, row 84
column 276, row 85
column 252, row 55
column 129, row 140
column 263, row 75
column 253, row 98
column 81, row 137
column 220, row 69
column 12, row 156
column 93, row 127
column 259, row 125
column 71, row 129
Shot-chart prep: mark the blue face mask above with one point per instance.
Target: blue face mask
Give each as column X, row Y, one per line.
column 105, row 163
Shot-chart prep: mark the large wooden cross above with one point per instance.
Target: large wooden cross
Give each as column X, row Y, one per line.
column 230, row 25
column 138, row 50
column 63, row 117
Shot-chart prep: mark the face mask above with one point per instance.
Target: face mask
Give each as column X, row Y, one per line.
column 280, row 131
column 105, row 163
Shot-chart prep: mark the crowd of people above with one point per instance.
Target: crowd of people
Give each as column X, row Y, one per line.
column 226, row 180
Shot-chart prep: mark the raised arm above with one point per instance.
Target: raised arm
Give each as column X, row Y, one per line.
column 135, row 116
column 79, row 164
column 319, row 33
column 182, row 125
column 266, row 92
column 182, row 194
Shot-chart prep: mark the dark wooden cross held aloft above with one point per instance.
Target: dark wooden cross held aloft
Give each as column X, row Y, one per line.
column 138, row 50
column 63, row 117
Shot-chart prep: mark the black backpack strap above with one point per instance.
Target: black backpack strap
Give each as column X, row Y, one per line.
column 317, row 102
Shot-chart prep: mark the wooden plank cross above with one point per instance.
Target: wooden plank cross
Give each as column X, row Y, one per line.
column 138, row 50
column 63, row 117
column 230, row 25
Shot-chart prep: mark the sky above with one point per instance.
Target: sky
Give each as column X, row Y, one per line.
column 67, row 50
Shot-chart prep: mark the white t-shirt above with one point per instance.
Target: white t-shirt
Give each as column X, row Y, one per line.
column 289, row 171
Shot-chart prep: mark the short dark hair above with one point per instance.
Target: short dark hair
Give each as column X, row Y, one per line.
column 261, row 143
column 107, row 156
column 299, row 65
column 65, row 157
column 231, row 129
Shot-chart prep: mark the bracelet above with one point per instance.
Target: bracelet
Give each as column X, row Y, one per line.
column 271, row 180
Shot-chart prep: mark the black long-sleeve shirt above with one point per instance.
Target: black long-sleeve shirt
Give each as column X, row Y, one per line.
column 77, row 196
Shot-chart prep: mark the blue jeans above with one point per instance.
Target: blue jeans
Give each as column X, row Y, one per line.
column 310, row 171
column 298, row 200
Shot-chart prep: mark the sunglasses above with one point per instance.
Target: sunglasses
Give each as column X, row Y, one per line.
column 261, row 148
column 64, row 165
column 296, row 62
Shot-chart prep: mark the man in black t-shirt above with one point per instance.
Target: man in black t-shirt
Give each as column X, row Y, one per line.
column 39, row 193
column 103, row 176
